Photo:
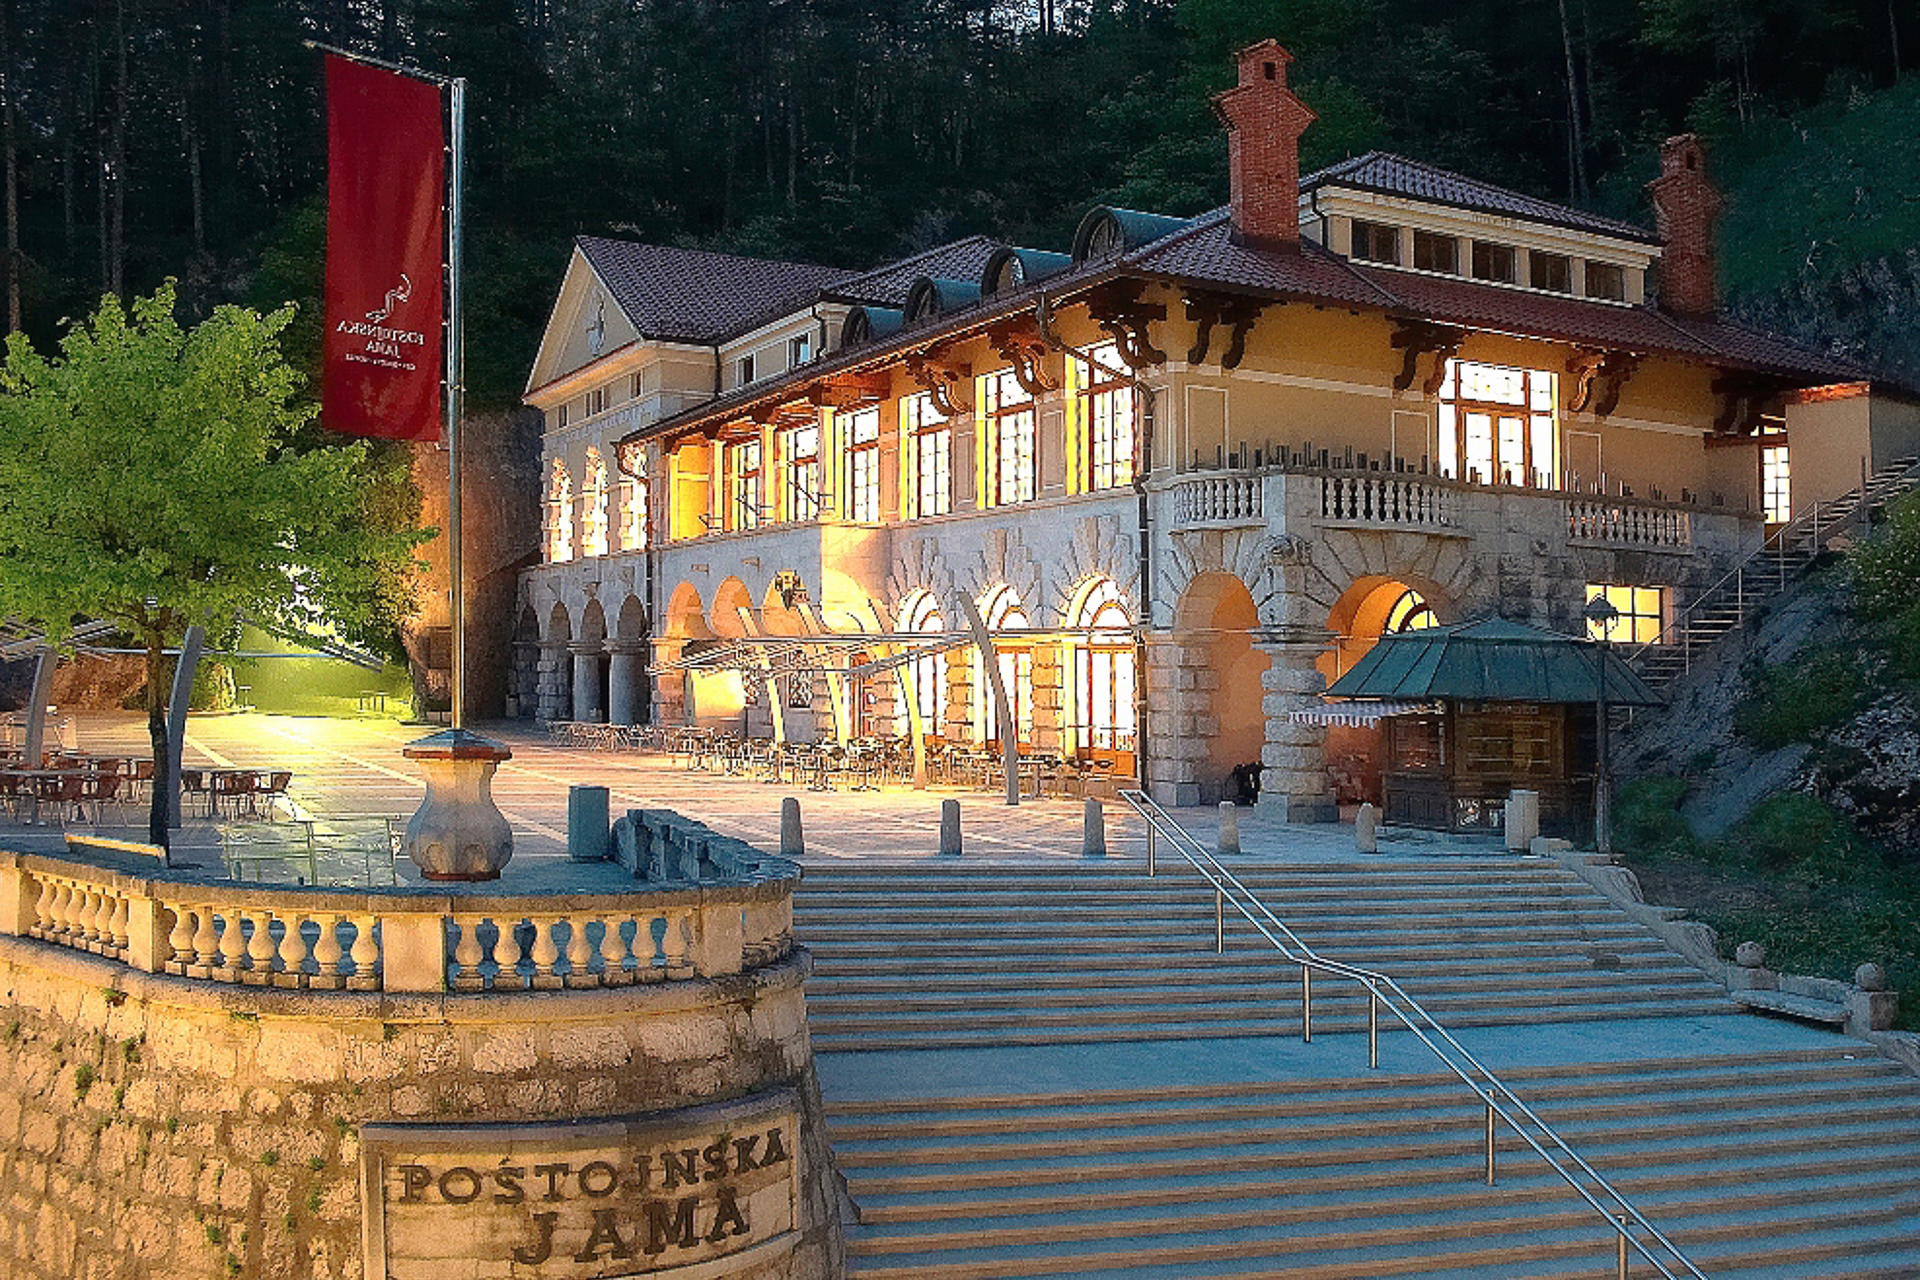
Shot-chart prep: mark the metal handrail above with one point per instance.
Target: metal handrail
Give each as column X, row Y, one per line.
column 1501, row 1103
column 1775, row 546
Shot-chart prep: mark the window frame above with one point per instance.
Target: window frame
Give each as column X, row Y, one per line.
column 746, row 483
column 802, row 503
column 1365, row 231
column 1110, row 418
column 1643, row 612
column 861, row 447
column 1429, row 241
column 1013, row 429
column 1564, row 262
column 1608, row 271
column 1496, row 252
column 930, row 439
column 1510, row 457
column 1776, row 481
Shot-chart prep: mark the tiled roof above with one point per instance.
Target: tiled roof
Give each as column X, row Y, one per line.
column 1388, row 174
column 689, row 295
column 887, row 286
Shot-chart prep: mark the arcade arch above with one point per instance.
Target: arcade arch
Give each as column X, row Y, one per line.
column 1374, row 606
column 1103, row 722
column 1218, row 617
column 1002, row 610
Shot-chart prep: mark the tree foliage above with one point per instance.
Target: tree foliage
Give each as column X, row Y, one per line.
column 159, row 476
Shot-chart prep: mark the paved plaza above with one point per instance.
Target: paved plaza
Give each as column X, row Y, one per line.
column 353, row 769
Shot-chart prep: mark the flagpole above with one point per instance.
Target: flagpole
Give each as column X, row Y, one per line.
column 456, row 389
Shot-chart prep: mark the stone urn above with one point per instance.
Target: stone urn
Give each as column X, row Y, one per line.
column 458, row 833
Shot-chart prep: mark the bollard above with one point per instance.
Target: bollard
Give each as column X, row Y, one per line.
column 589, row 834
column 792, row 843
column 950, row 828
column 1093, row 831
column 1229, row 827
column 1366, row 829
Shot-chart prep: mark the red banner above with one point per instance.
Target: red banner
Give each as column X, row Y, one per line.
column 386, row 225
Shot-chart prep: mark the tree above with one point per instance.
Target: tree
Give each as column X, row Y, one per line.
column 159, row 477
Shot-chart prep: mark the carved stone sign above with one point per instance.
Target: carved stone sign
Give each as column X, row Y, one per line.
column 697, row 1193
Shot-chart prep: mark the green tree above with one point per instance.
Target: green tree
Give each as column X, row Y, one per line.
column 159, row 477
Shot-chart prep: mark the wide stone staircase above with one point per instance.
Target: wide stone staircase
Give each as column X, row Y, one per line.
column 1048, row 1071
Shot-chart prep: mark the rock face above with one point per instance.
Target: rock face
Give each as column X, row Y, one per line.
column 1869, row 770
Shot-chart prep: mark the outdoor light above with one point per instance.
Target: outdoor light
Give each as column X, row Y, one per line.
column 1601, row 615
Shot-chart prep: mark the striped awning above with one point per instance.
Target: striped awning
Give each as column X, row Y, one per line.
column 1360, row 715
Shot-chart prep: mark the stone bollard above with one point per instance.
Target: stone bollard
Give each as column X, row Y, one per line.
column 1749, row 971
column 1229, row 827
column 950, row 828
column 589, row 834
column 1871, row 1006
column 1522, row 819
column 1366, row 828
column 1093, row 831
column 792, row 843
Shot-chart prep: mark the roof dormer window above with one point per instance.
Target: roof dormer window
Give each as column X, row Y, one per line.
column 1551, row 272
column 1606, row 281
column 743, row 371
column 1433, row 252
column 1493, row 262
column 1376, row 242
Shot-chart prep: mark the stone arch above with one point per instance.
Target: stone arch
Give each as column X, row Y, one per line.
column 631, row 622
column 686, row 616
column 729, row 598
column 1374, row 605
column 1099, row 676
column 559, row 624
column 1214, row 694
column 523, row 666
column 627, row 701
column 594, row 496
column 1003, row 607
column 1099, row 548
column 593, row 623
column 918, row 566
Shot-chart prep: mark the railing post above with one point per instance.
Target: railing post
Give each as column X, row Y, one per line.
column 1490, row 1122
column 1219, row 921
column 1622, row 1263
column 1149, row 846
column 1373, row 1028
column 1306, row 1005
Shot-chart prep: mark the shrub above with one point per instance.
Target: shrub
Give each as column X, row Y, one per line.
column 1799, row 701
column 1646, row 817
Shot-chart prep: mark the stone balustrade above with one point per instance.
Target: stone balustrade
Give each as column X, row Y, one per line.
column 1224, row 499
column 1627, row 524
column 1386, row 498
column 732, row 913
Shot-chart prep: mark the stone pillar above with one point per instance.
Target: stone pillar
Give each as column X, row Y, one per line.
column 1179, row 711
column 626, row 681
column 586, row 681
column 553, row 697
column 1295, row 755
column 1049, row 696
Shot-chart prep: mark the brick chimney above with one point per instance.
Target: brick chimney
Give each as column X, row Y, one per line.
column 1685, row 204
column 1264, row 123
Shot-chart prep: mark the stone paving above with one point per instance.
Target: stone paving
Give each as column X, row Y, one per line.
column 353, row 769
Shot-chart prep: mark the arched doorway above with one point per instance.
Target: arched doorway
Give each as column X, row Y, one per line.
column 686, row 625
column 523, row 669
column 921, row 613
column 1217, row 619
column 1372, row 607
column 1001, row 610
column 627, row 701
column 1105, row 679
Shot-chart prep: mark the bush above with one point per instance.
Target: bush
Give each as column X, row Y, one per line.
column 1646, row 817
column 1799, row 701
column 1801, row 833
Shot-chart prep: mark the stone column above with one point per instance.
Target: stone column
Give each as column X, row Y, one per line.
column 553, row 699
column 1178, row 712
column 626, row 680
column 586, row 680
column 1295, row 755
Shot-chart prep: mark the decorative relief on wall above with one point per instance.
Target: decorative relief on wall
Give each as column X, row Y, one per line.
column 696, row 1193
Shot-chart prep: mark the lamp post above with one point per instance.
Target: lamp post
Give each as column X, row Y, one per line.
column 1601, row 615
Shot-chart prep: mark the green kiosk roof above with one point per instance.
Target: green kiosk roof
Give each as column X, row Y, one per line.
column 1491, row 660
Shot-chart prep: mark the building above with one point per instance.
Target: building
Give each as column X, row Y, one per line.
column 1185, row 474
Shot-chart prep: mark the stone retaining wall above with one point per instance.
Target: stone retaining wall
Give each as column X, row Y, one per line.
column 157, row 1128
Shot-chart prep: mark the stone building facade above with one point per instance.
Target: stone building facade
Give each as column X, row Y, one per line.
column 1185, row 473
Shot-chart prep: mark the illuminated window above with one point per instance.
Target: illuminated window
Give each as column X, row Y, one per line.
column 1410, row 612
column 1105, row 679
column 1551, row 271
column 744, row 474
column 929, row 673
column 1107, row 409
column 1493, row 262
column 633, row 515
column 1641, row 611
column 1005, row 613
column 1433, row 252
column 1376, row 242
column 863, row 466
column 931, row 442
column 560, row 514
column 802, row 450
column 1776, row 484
column 593, row 504
column 1008, row 411
column 1497, row 425
column 1607, row 281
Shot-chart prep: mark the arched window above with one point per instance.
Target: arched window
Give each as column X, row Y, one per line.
column 1410, row 612
column 633, row 514
column 929, row 673
column 560, row 514
column 1106, row 669
column 593, row 513
column 1004, row 612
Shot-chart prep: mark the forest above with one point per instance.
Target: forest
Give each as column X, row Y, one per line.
column 146, row 139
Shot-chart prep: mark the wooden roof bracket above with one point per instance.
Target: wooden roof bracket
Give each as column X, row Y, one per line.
column 1597, row 379
column 1209, row 310
column 1416, row 338
column 850, row 390
column 1028, row 356
column 1121, row 314
column 942, row 379
column 1743, row 401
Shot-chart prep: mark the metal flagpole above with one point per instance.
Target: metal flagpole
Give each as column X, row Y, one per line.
column 456, row 390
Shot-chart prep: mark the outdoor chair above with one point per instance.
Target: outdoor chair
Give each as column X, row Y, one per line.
column 13, row 793
column 100, row 790
column 193, row 782
column 240, row 787
column 278, row 780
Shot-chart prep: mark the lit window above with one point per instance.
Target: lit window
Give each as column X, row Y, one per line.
column 1607, row 281
column 929, row 673
column 931, row 442
column 1410, row 612
column 1641, row 610
column 1433, row 252
column 744, row 472
column 1009, row 413
column 593, row 502
column 799, row 350
column 1497, row 425
column 1106, row 669
column 560, row 514
column 1552, row 272
column 803, row 472
column 1108, row 410
column 633, row 515
column 1493, row 262
column 863, row 466
column 1776, row 484
column 1376, row 242
column 1005, row 613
